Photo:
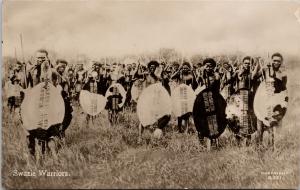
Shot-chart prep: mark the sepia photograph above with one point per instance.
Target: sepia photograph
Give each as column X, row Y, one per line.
column 138, row 94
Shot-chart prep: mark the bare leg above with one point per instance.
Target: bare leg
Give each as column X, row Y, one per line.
column 140, row 133
column 209, row 144
column 186, row 125
column 271, row 138
column 52, row 148
column 87, row 120
column 201, row 139
column 179, row 120
column 260, row 132
column 248, row 140
column 239, row 140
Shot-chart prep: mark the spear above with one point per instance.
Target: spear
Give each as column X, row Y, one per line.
column 23, row 59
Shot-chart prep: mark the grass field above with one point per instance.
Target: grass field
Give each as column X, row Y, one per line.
column 100, row 156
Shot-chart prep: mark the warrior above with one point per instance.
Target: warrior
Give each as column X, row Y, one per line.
column 14, row 87
column 126, row 81
column 175, row 67
column 115, row 93
column 165, row 78
column 113, row 74
column 209, row 107
column 15, row 93
column 64, row 83
column 134, row 66
column 151, row 78
column 209, row 77
column 80, row 77
column 92, row 84
column 138, row 84
column 113, row 103
column 19, row 74
column 102, row 77
column 62, row 78
column 244, row 75
column 34, row 73
column 227, row 80
column 71, row 79
column 274, row 89
column 185, row 75
column 240, row 113
column 45, row 85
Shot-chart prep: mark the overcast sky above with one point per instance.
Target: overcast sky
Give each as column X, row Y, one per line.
column 100, row 28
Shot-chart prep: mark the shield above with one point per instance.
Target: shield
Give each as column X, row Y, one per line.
column 209, row 113
column 154, row 103
column 240, row 113
column 120, row 89
column 137, row 89
column 183, row 97
column 91, row 103
column 269, row 106
column 42, row 107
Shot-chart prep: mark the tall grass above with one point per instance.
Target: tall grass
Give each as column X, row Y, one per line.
column 102, row 156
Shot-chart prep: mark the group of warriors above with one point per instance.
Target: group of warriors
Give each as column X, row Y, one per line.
column 246, row 98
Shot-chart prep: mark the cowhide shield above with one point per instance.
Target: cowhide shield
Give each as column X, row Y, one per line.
column 153, row 103
column 209, row 113
column 183, row 97
column 270, row 107
column 120, row 90
column 42, row 107
column 240, row 113
column 137, row 89
column 91, row 103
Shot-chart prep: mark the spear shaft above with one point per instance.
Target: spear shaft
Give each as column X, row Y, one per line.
column 23, row 59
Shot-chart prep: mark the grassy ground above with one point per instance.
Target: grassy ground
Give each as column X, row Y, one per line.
column 101, row 156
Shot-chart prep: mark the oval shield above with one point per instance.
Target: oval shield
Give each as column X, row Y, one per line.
column 209, row 113
column 91, row 103
column 120, row 89
column 183, row 98
column 137, row 89
column 240, row 113
column 42, row 107
column 270, row 106
column 154, row 103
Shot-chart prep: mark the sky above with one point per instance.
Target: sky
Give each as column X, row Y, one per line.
column 113, row 28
